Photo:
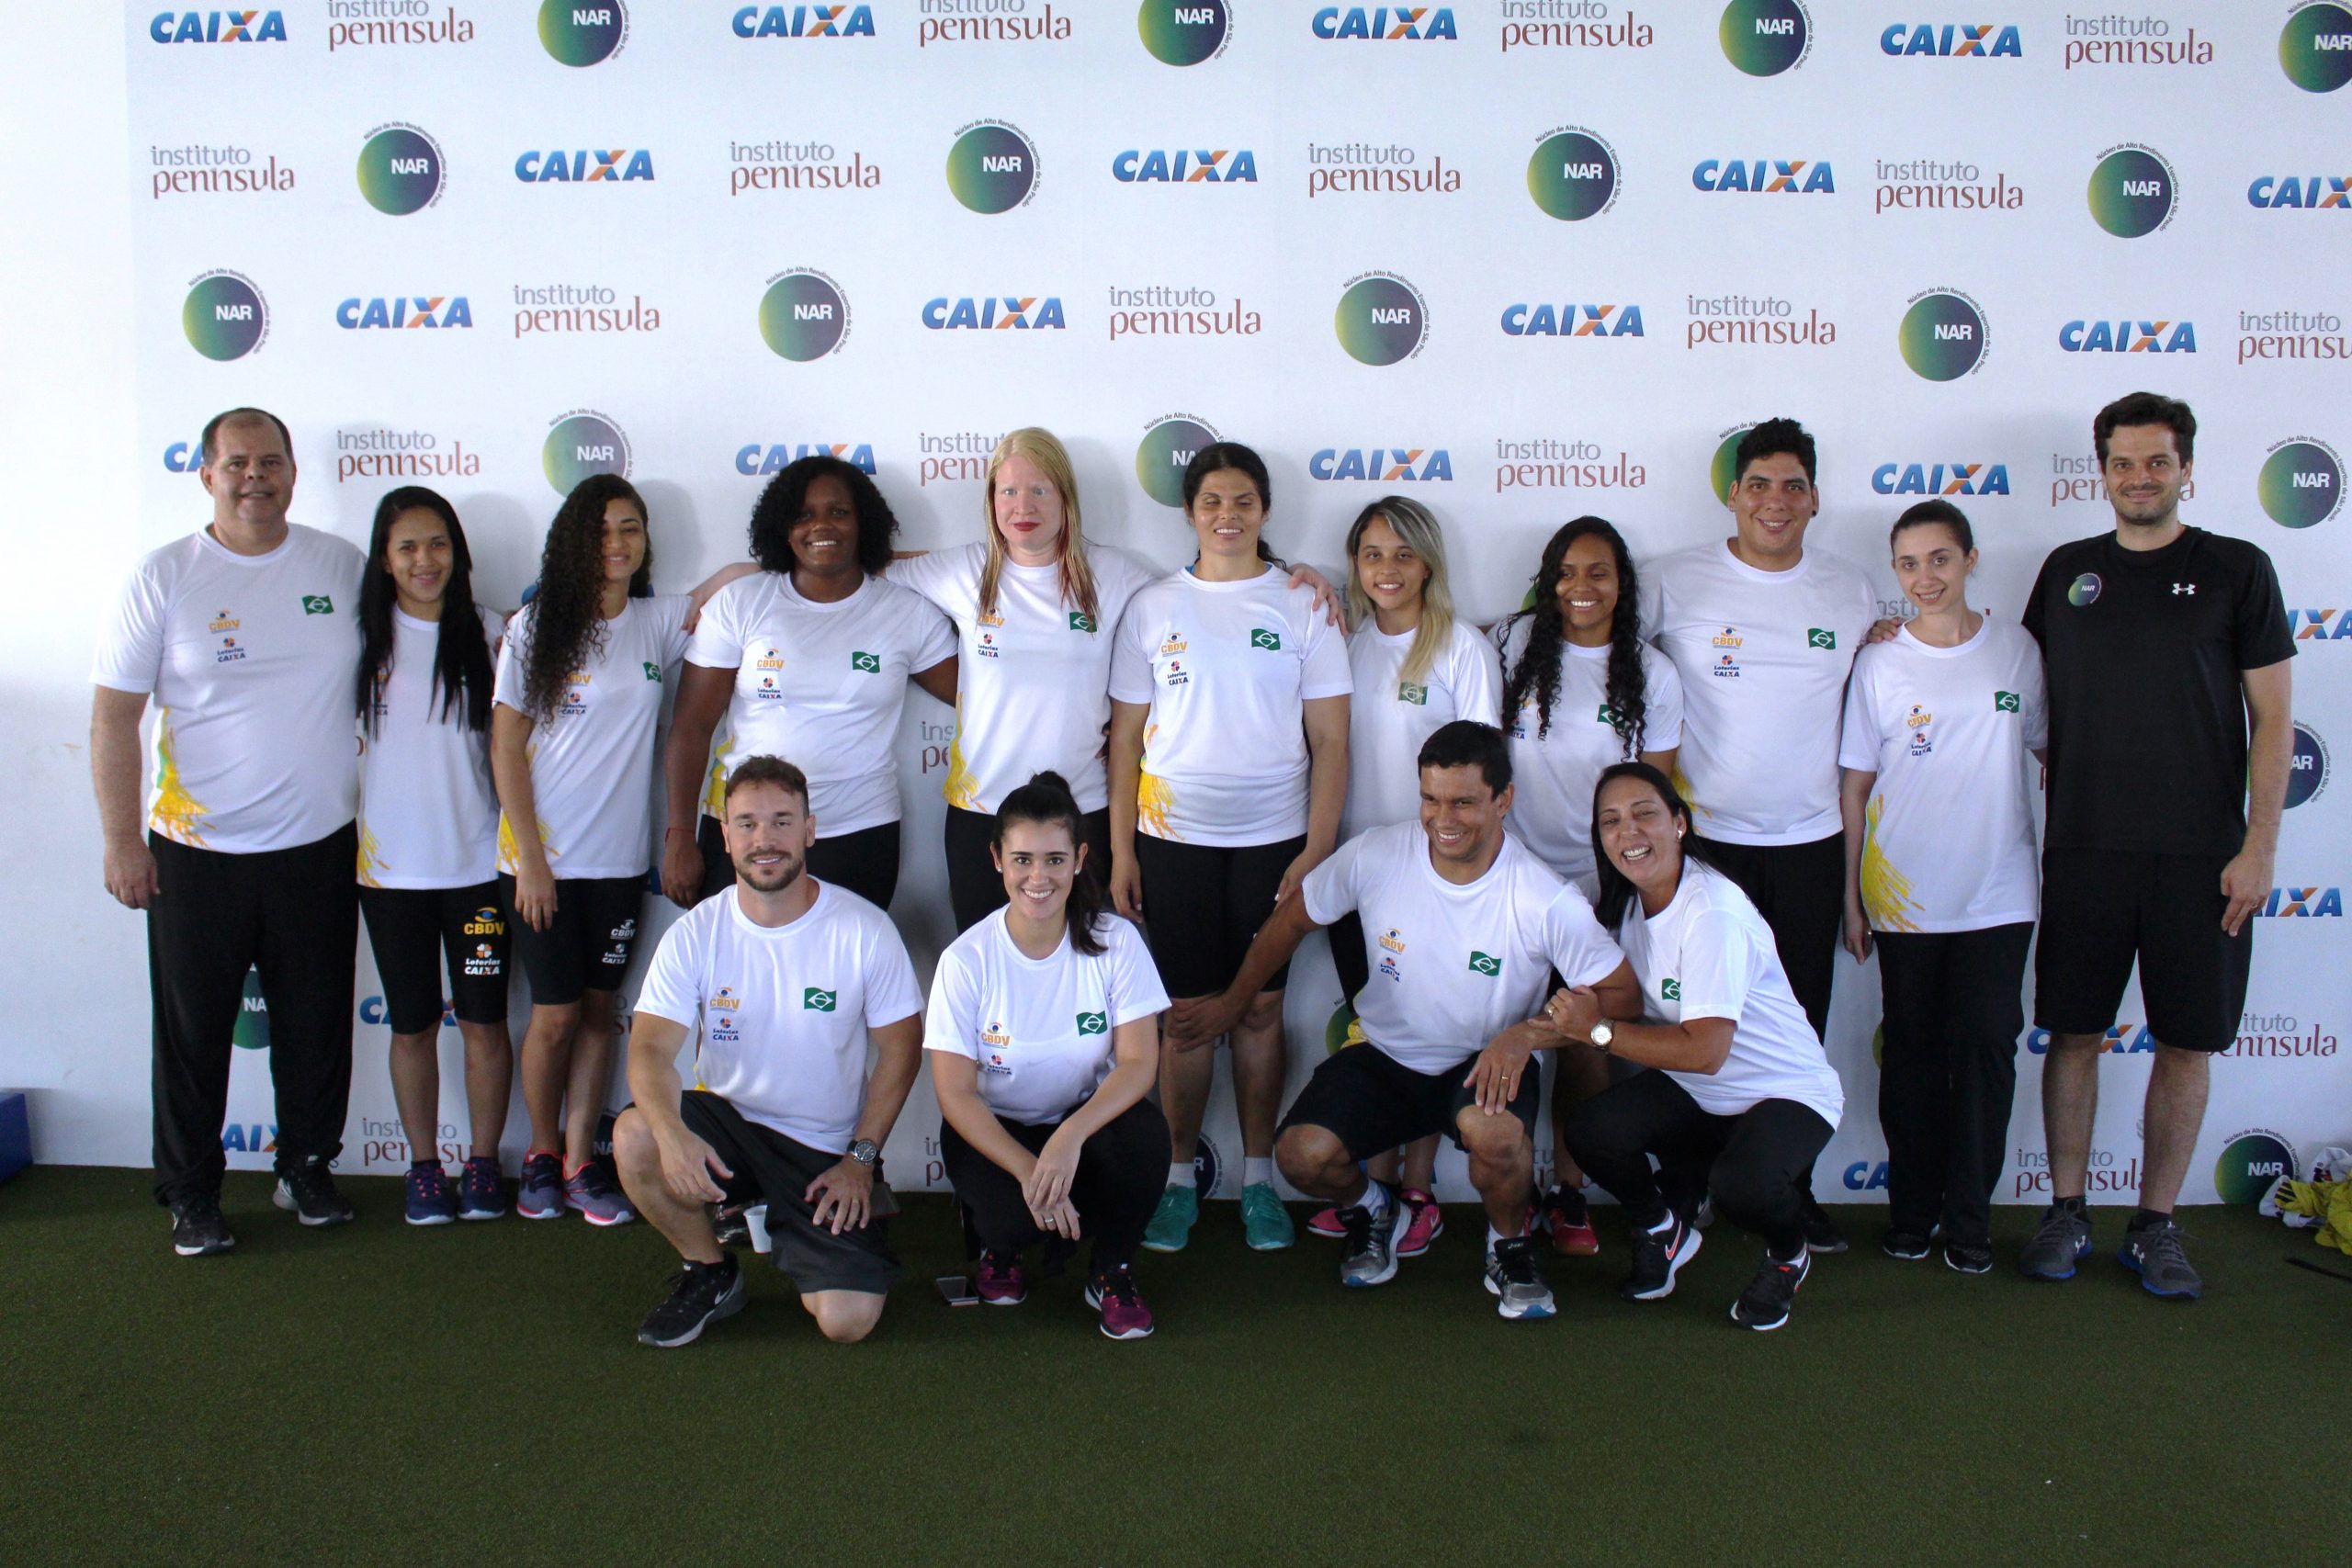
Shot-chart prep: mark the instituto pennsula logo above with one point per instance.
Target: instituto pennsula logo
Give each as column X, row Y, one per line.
column 1944, row 334
column 401, row 169
column 582, row 442
column 804, row 314
column 1572, row 173
column 224, row 315
column 1167, row 447
column 582, row 32
column 992, row 167
column 1764, row 37
column 1185, row 33
column 1381, row 318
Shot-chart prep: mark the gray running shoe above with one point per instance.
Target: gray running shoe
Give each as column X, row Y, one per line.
column 2063, row 1240
column 2153, row 1252
column 1511, row 1277
column 1372, row 1243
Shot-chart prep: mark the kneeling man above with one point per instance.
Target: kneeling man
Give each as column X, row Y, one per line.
column 1461, row 927
column 786, row 978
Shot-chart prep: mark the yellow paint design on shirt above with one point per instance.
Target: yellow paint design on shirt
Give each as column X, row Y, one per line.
column 509, row 853
column 177, row 815
column 1682, row 788
column 959, row 789
column 1153, row 797
column 1886, row 892
column 714, row 794
column 372, row 857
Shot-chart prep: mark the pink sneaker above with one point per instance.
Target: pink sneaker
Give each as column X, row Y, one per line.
column 1001, row 1283
column 1124, row 1315
column 1424, row 1222
column 1326, row 1223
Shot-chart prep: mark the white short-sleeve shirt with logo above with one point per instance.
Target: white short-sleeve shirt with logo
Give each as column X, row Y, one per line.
column 1553, row 769
column 783, row 1010
column 1709, row 955
column 1034, row 684
column 1763, row 657
column 1455, row 964
column 1226, row 668
column 428, row 812
column 249, row 661
column 1388, row 716
column 591, row 759
column 821, row 686
column 1950, row 732
column 1039, row 1028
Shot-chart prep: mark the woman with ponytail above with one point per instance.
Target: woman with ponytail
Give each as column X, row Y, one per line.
column 1044, row 1029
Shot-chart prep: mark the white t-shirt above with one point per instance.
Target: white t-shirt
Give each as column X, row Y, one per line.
column 821, row 686
column 1710, row 954
column 1763, row 657
column 1455, row 964
column 591, row 759
column 784, row 1012
column 428, row 812
column 1552, row 771
column 250, row 660
column 1039, row 1028
column 1033, row 690
column 1388, row 718
column 1948, row 732
column 1226, row 668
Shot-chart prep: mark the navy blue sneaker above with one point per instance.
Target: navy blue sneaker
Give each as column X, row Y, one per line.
column 481, row 1191
column 430, row 1200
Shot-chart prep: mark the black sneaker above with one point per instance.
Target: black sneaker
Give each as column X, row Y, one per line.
column 1659, row 1255
column 1969, row 1257
column 1821, row 1232
column 197, row 1229
column 308, row 1191
column 1764, row 1305
column 1371, row 1256
column 700, row 1294
column 1904, row 1245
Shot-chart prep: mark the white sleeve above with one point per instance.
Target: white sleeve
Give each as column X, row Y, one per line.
column 932, row 574
column 670, row 988
column 1857, row 744
column 1580, row 950
column 1651, row 601
column 130, row 649
column 671, row 616
column 1133, row 980
column 932, row 637
column 891, row 993
column 1477, row 676
column 717, row 641
column 1323, row 671
column 1330, row 890
column 955, row 996
column 1717, row 956
column 1130, row 664
column 1662, row 697
column 508, row 683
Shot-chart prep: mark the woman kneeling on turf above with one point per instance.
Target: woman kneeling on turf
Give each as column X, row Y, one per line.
column 1743, row 1102
column 1044, row 1029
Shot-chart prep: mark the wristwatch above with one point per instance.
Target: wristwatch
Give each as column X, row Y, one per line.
column 867, row 1152
column 1601, row 1034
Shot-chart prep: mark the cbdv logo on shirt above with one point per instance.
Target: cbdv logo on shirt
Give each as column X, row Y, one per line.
column 1382, row 464
column 2302, row 483
column 218, row 27
column 400, row 170
column 1386, row 23
column 1943, row 335
column 992, row 167
column 1185, row 33
column 579, row 34
column 1381, row 318
column 2132, row 191
column 2315, row 47
column 1167, row 447
column 1764, row 37
column 224, row 315
column 582, row 442
column 804, row 315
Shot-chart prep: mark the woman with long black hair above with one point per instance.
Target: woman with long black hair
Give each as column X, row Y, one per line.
column 1581, row 690
column 428, row 840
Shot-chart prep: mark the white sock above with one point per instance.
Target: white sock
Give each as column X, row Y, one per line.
column 1182, row 1174
column 1494, row 1237
column 1257, row 1171
column 1374, row 1201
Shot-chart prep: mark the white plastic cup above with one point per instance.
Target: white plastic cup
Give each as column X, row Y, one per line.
column 756, row 1217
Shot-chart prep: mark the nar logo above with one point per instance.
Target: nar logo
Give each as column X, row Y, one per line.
column 2303, row 901
column 775, row 457
column 218, row 27
column 1800, row 176
column 1385, row 22
column 584, row 167
column 403, row 310
column 994, row 312
column 805, row 21
column 1572, row 320
column 2311, row 190
column 1208, row 166
column 1383, row 464
column 1987, row 41
column 1941, row 479
column 2128, row 337
column 2320, row 625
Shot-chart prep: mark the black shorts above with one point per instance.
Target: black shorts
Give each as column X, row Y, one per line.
column 865, row 862
column 2101, row 909
column 411, row 930
column 975, row 886
column 1372, row 1103
column 1201, row 905
column 586, row 947
column 774, row 1169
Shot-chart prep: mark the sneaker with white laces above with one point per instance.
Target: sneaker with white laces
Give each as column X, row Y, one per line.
column 2057, row 1245
column 2153, row 1252
column 1424, row 1222
column 430, row 1200
column 1371, row 1243
column 700, row 1294
column 308, row 1191
column 1764, row 1305
column 197, row 1229
column 1512, row 1278
column 1001, row 1282
column 1659, row 1253
column 1113, row 1293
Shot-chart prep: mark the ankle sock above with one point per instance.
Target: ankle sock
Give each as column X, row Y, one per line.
column 1182, row 1174
column 2144, row 1218
column 1374, row 1201
column 1257, row 1170
column 2070, row 1206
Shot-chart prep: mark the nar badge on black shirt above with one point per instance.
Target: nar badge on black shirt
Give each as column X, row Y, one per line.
column 2147, row 718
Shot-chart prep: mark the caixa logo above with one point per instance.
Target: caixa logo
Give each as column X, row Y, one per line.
column 994, row 312
column 2128, row 337
column 1385, row 22
column 1382, row 464
column 1794, row 176
column 803, row 21
column 1866, row 1175
column 2320, row 625
column 1957, row 40
column 218, row 27
column 2124, row 1039
column 1941, row 479
column 1218, row 166
column 373, row 1010
column 2305, row 902
column 2305, row 191
column 769, row 457
column 404, row 311
column 584, row 166
column 1572, row 320
column 252, row 1138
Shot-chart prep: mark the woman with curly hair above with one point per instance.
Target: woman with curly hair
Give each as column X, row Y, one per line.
column 577, row 699
column 807, row 658
column 1581, row 690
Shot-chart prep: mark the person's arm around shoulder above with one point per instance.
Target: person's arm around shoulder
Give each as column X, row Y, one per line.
column 932, row 663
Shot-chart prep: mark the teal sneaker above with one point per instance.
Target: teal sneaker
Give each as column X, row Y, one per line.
column 1171, row 1223
column 1264, row 1221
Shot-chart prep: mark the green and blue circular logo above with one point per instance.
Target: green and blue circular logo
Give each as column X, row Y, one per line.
column 224, row 316
column 1167, row 447
column 251, row 1033
column 2084, row 591
column 992, row 167
column 804, row 315
column 582, row 442
column 399, row 170
column 2315, row 47
column 1765, row 37
column 2302, row 483
column 1573, row 175
column 582, row 32
column 2250, row 1163
column 2132, row 192
column 1185, row 33
column 1382, row 319
column 1724, row 467
column 1943, row 335
column 2307, row 769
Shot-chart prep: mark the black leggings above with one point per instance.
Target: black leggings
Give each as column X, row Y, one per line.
column 975, row 886
column 1756, row 1163
column 1121, row 1170
column 1954, row 1006
column 865, row 862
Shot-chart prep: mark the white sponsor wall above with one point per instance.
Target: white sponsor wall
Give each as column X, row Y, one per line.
column 1523, row 261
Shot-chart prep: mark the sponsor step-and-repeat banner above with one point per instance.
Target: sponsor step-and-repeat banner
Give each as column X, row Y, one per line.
column 1523, row 260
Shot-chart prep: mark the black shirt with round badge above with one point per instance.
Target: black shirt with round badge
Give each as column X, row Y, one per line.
column 2147, row 719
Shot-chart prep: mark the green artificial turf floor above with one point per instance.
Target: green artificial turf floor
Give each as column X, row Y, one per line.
column 473, row 1394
